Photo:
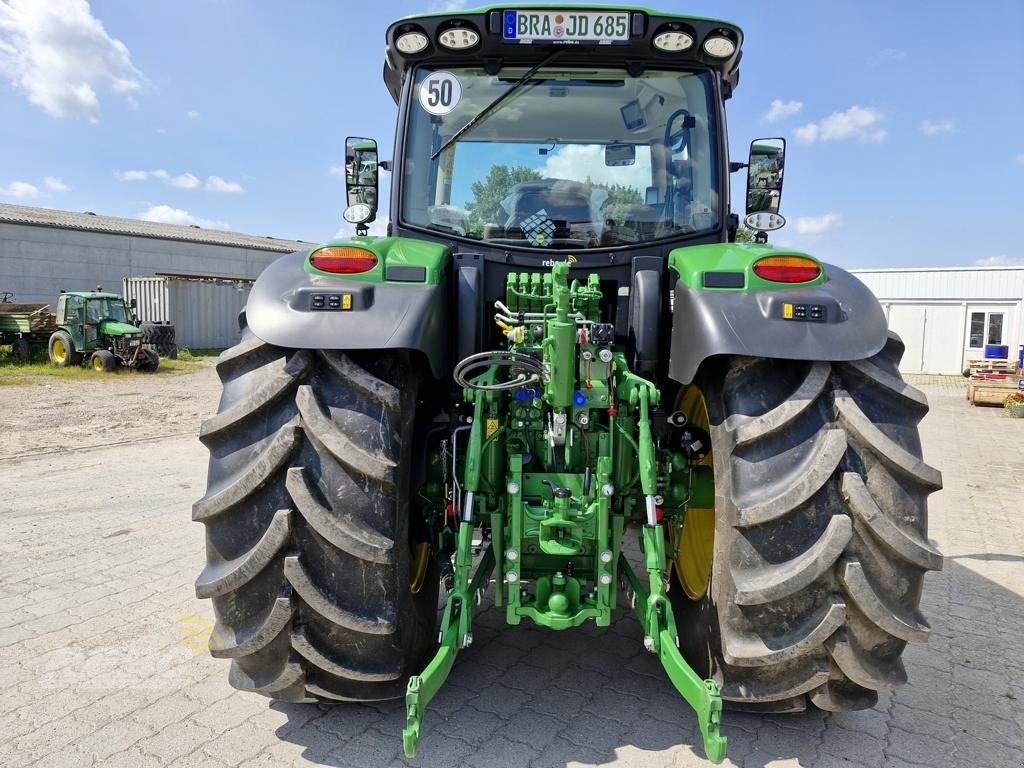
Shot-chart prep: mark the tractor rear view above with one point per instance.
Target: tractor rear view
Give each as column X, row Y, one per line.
column 558, row 345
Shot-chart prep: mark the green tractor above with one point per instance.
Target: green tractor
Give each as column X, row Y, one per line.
column 98, row 329
column 558, row 350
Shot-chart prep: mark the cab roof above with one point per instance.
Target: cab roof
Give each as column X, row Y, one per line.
column 92, row 294
column 493, row 51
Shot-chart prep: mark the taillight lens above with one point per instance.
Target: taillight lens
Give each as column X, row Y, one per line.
column 787, row 269
column 343, row 261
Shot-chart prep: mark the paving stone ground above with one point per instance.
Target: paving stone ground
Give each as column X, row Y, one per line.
column 101, row 662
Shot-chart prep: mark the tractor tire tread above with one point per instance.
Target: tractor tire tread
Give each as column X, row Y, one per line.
column 820, row 542
column 308, row 554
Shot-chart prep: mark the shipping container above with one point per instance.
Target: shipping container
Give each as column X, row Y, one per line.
column 203, row 310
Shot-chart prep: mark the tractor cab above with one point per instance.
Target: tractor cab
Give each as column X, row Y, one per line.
column 636, row 160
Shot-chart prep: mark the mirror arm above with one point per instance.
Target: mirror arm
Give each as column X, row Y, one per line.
column 384, row 165
column 733, row 167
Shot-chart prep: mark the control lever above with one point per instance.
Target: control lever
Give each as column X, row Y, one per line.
column 556, row 491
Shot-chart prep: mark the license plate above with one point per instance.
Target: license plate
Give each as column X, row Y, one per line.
column 567, row 26
column 133, row 343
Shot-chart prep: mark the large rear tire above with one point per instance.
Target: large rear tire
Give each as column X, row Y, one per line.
column 307, row 523
column 820, row 539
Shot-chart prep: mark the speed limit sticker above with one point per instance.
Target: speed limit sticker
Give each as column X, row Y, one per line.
column 440, row 93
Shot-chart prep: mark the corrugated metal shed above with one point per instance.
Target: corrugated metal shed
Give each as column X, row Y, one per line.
column 113, row 225
column 44, row 251
column 948, row 316
column 204, row 311
column 959, row 283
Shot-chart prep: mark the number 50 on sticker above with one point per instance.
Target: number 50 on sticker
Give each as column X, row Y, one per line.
column 440, row 93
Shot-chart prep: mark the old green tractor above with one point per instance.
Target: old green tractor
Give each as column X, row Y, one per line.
column 557, row 347
column 98, row 329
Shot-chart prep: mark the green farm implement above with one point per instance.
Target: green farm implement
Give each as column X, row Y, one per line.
column 559, row 346
column 89, row 327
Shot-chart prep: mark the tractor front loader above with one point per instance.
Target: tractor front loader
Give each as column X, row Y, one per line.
column 560, row 344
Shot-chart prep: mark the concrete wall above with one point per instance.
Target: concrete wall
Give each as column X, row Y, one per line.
column 37, row 262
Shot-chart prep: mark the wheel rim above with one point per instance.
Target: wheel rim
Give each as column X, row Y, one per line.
column 97, row 363
column 60, row 351
column 697, row 538
column 418, row 570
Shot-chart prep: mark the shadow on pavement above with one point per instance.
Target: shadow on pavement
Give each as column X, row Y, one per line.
column 524, row 696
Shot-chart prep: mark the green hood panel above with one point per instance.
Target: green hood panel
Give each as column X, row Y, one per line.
column 691, row 263
column 115, row 328
column 391, row 252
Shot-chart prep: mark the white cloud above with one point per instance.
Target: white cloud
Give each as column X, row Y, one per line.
column 1001, row 260
column 887, row 54
column 448, row 5
column 780, row 110
column 378, row 228
column 182, row 181
column 165, row 214
column 337, row 170
column 582, row 161
column 217, row 184
column 130, row 175
column 21, row 190
column 930, row 128
column 192, row 115
column 55, row 184
column 861, row 123
column 59, row 54
column 812, row 226
column 1020, row 159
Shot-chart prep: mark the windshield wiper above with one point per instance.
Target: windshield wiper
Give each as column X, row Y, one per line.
column 498, row 101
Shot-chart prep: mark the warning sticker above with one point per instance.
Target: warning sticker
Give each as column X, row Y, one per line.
column 440, row 93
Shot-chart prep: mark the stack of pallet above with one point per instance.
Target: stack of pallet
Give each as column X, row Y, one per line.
column 1008, row 367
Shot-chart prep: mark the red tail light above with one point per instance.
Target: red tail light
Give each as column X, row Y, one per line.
column 343, row 260
column 787, row 269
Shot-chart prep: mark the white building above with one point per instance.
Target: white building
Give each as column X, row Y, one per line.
column 949, row 315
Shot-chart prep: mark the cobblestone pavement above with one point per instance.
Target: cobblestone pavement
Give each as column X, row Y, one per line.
column 99, row 666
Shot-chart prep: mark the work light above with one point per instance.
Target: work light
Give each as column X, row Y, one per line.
column 411, row 42
column 719, row 47
column 672, row 42
column 458, row 38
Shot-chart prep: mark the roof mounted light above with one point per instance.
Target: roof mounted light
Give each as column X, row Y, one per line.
column 719, row 46
column 458, row 38
column 411, row 42
column 672, row 41
column 358, row 213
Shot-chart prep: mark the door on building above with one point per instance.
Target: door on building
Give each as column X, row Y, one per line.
column 989, row 324
column 928, row 332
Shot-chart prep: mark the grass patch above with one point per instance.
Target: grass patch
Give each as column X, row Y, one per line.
column 201, row 352
column 13, row 374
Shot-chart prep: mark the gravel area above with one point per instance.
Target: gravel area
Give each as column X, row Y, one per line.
column 100, row 631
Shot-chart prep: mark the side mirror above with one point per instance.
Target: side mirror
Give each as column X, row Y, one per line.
column 133, row 303
column 764, row 184
column 360, row 181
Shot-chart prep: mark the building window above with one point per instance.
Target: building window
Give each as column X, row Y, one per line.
column 995, row 328
column 977, row 330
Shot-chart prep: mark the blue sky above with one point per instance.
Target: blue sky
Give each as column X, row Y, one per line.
column 903, row 118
